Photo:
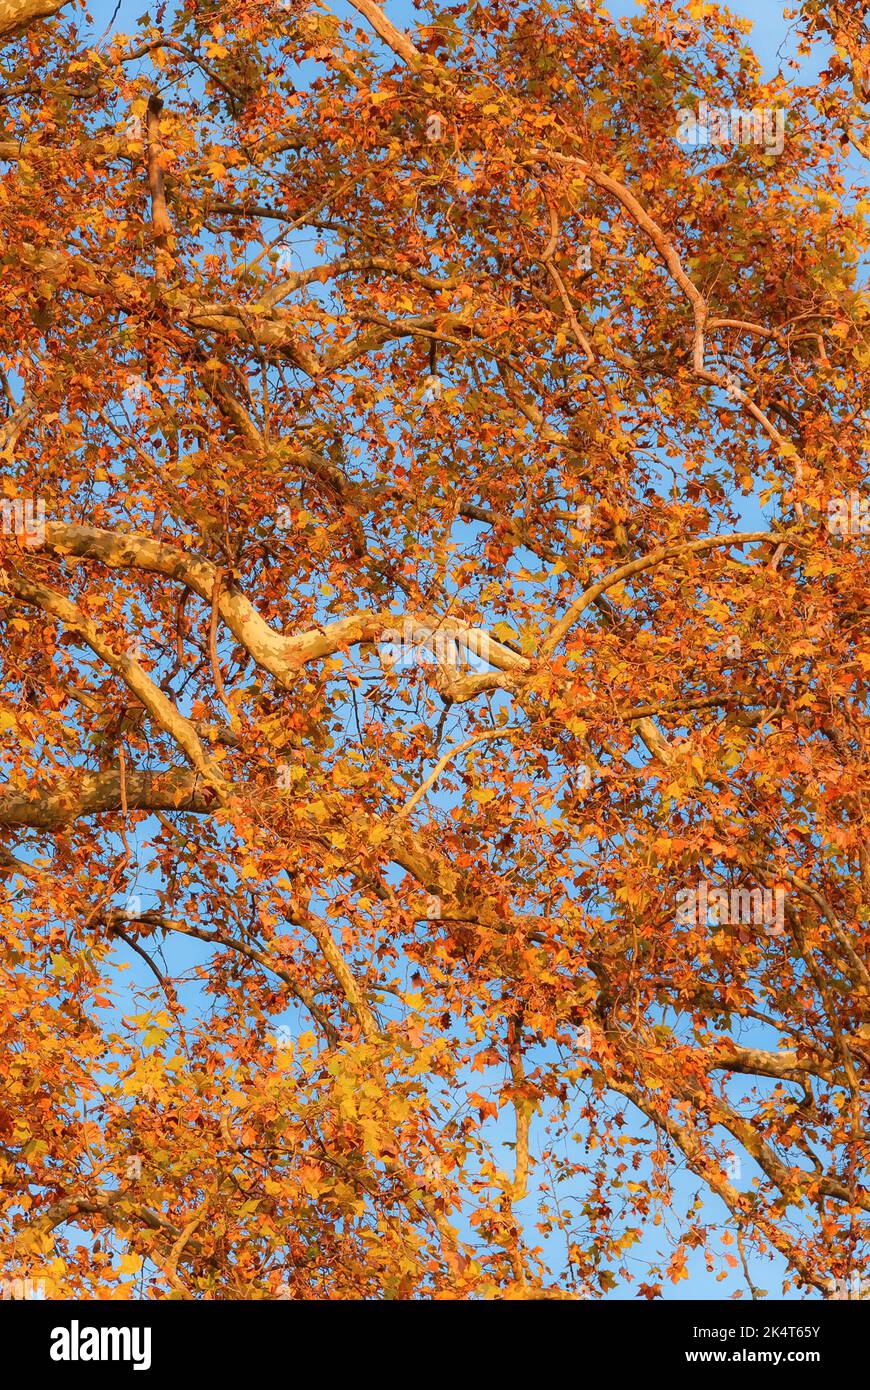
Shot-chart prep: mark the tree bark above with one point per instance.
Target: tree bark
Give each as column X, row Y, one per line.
column 17, row 15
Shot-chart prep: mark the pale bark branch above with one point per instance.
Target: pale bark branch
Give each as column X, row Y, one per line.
column 17, row 15
column 161, row 709
column 385, row 29
column 487, row 736
column 654, row 557
column 283, row 656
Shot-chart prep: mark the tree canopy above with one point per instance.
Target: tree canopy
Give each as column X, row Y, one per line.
column 433, row 592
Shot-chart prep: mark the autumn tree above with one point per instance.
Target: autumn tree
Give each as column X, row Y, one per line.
column 433, row 594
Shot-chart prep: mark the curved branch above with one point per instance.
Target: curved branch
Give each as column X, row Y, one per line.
column 654, row 557
column 282, row 656
column 161, row 709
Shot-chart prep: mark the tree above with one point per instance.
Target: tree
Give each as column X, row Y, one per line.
column 433, row 582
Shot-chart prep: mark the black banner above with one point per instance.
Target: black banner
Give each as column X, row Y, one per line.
column 696, row 1340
